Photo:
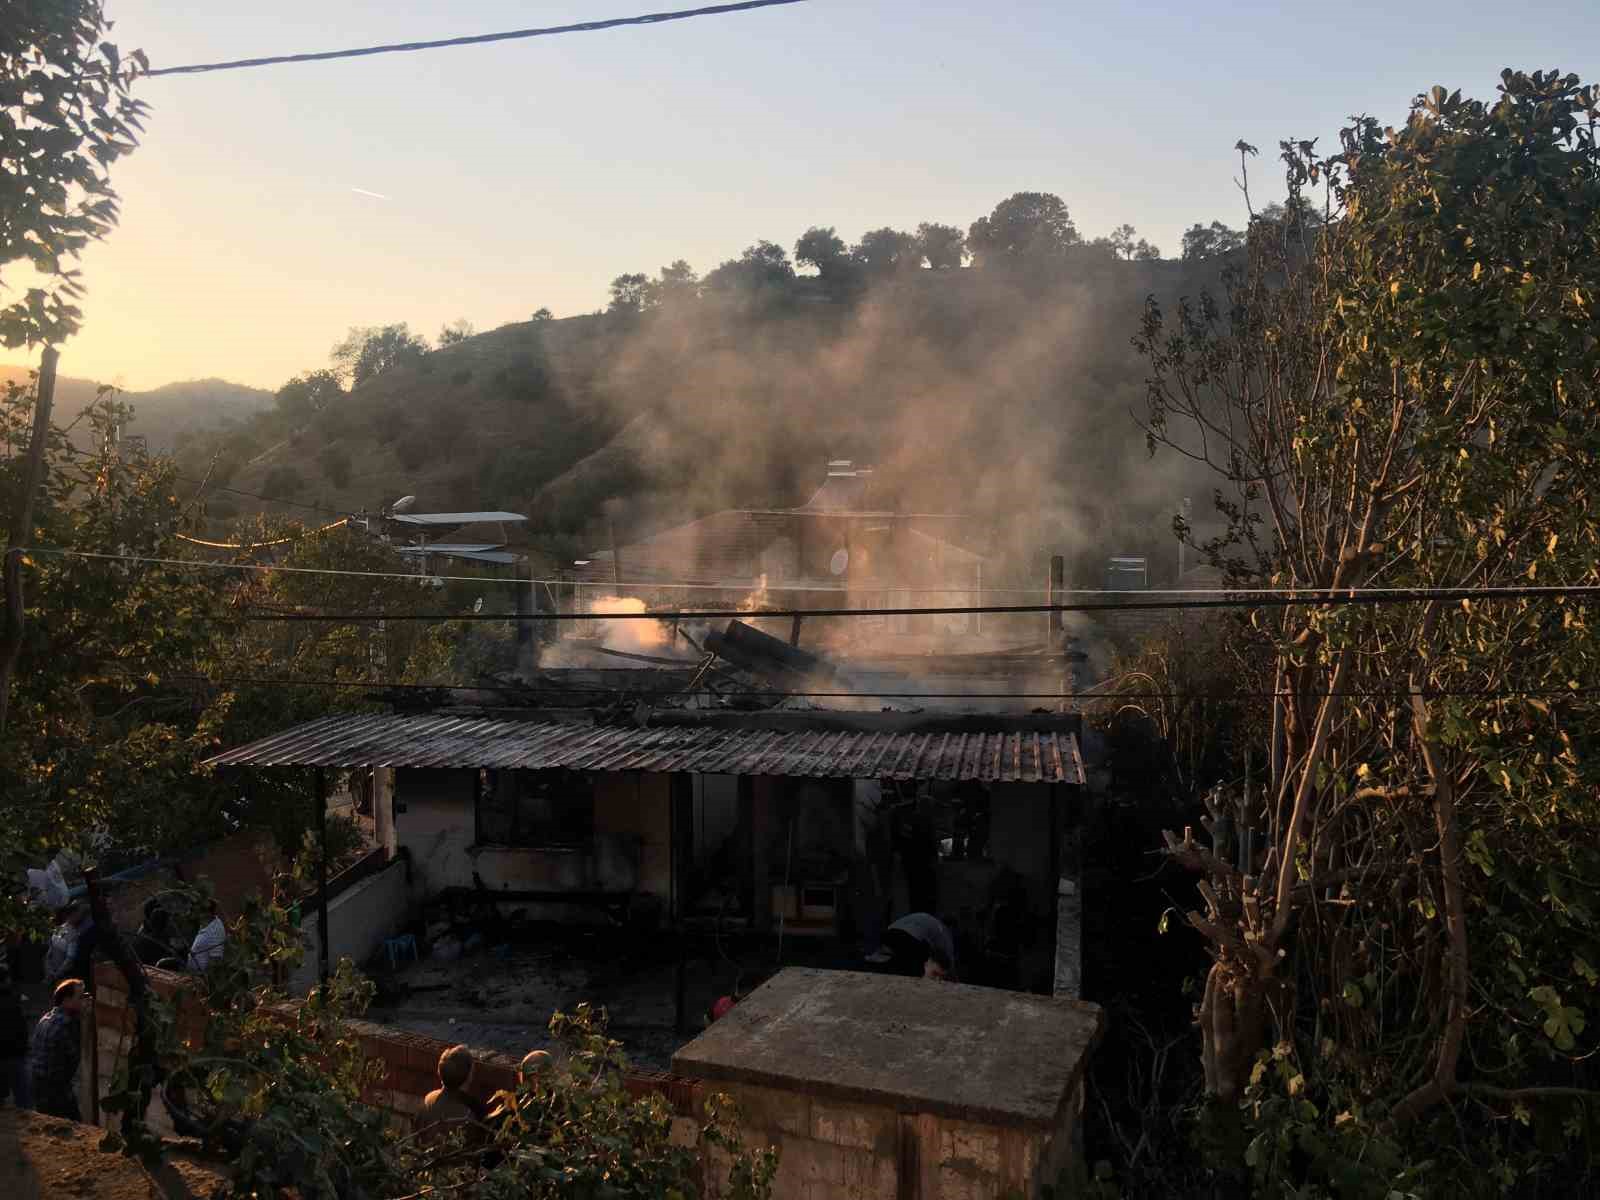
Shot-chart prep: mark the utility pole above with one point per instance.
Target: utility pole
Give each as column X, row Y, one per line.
column 22, row 528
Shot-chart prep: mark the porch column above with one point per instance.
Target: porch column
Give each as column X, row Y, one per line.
column 383, row 811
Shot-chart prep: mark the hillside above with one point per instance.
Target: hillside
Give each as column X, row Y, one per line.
column 1006, row 398
column 163, row 415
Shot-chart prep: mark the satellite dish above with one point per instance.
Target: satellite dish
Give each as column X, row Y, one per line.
column 839, row 562
column 403, row 504
column 477, row 605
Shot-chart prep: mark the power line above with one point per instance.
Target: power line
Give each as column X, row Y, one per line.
column 588, row 584
column 207, row 484
column 283, row 541
column 1308, row 597
column 475, row 39
column 757, row 693
column 1120, row 600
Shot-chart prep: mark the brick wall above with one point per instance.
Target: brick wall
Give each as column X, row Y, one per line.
column 409, row 1061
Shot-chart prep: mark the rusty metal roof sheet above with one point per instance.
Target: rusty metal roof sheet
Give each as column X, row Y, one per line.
column 442, row 741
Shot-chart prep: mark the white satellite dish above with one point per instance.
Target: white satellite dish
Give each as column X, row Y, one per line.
column 403, row 504
column 477, row 605
column 839, row 562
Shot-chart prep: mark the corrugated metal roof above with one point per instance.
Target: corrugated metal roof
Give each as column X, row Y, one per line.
column 438, row 741
column 454, row 518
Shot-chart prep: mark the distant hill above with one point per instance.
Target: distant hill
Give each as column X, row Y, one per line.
column 161, row 415
column 194, row 406
column 977, row 391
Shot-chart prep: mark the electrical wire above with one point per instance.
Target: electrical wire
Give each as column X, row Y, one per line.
column 75, row 452
column 1126, row 599
column 1220, row 600
column 474, row 39
column 284, row 541
column 780, row 694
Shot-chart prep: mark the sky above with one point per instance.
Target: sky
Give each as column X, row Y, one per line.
column 508, row 177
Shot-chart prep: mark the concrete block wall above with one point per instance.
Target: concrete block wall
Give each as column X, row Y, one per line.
column 829, row 1148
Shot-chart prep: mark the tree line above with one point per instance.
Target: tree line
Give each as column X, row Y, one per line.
column 1027, row 229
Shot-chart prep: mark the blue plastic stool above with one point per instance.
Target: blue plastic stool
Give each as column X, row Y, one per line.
column 397, row 948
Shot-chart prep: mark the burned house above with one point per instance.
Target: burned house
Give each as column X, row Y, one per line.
column 813, row 824
column 845, row 543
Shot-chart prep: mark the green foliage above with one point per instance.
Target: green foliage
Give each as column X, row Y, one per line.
column 884, row 252
column 280, row 1087
column 455, row 332
column 1202, row 242
column 762, row 268
column 1404, row 394
column 944, row 247
column 308, row 394
column 824, row 250
column 629, row 295
column 1026, row 226
column 68, row 116
column 368, row 352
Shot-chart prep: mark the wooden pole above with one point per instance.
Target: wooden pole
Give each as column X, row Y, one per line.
column 22, row 527
column 1058, row 585
column 322, row 880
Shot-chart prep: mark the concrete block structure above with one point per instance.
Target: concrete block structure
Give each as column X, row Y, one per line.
column 902, row 1089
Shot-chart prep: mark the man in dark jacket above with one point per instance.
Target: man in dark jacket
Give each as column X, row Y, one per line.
column 54, row 1053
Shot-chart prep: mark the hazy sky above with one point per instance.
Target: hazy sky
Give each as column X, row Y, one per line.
column 530, row 173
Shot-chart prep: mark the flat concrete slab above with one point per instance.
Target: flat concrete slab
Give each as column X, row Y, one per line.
column 913, row 1045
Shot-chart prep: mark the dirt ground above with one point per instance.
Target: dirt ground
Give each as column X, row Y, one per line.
column 43, row 1158
column 502, row 1000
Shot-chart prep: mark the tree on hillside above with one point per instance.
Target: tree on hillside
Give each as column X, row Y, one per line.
column 83, row 754
column 306, row 395
column 1026, row 226
column 825, row 250
column 1201, row 242
column 629, row 295
column 68, row 116
column 369, row 351
column 456, row 331
column 886, row 251
column 675, row 286
column 541, row 315
column 1406, row 950
column 943, row 246
column 1127, row 243
column 762, row 266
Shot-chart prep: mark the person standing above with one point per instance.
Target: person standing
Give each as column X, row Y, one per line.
column 54, row 1054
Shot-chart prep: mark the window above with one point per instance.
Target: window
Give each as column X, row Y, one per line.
column 535, row 808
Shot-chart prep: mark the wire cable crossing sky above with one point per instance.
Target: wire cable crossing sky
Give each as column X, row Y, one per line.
column 477, row 39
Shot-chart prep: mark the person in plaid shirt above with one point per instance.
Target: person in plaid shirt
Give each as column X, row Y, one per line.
column 54, row 1053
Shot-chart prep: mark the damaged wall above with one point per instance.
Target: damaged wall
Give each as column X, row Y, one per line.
column 435, row 820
